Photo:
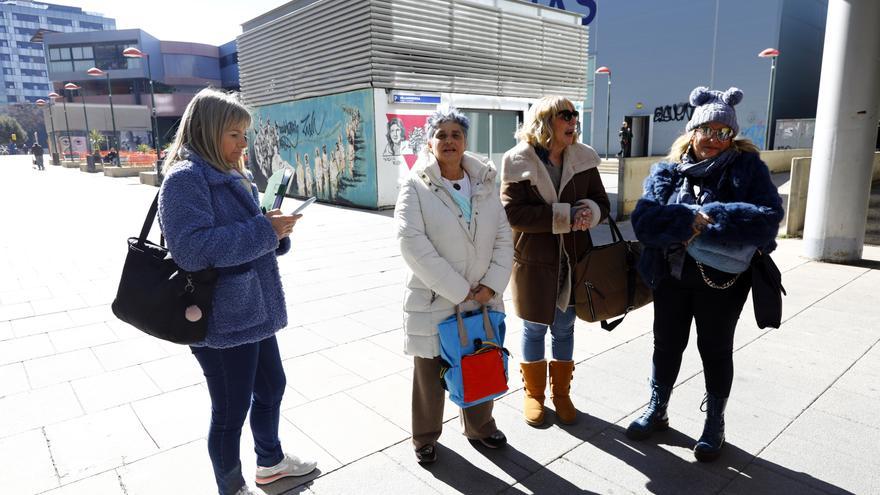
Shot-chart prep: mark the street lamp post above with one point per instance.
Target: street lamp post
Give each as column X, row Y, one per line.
column 607, row 71
column 772, row 54
column 42, row 103
column 54, row 96
column 96, row 72
column 73, row 87
column 132, row 52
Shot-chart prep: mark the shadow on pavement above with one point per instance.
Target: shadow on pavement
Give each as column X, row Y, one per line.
column 292, row 485
column 671, row 472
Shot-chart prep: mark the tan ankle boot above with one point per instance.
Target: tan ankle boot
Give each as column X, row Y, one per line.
column 534, row 376
column 560, row 385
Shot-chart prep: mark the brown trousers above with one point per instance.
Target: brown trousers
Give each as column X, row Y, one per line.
column 427, row 407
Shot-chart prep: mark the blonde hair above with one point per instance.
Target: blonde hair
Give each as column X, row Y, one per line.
column 210, row 113
column 682, row 143
column 537, row 128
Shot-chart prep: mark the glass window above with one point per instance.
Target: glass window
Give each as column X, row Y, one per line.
column 28, row 44
column 4, row 43
column 25, row 17
column 83, row 65
column 10, row 85
column 59, row 22
column 6, row 57
column 33, row 72
column 91, row 25
column 32, row 99
column 25, row 31
column 9, row 71
column 491, row 132
column 61, row 66
column 87, row 52
column 55, row 54
column 2, row 29
column 12, row 99
column 77, row 52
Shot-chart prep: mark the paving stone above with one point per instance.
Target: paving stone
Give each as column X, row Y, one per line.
column 316, row 376
column 58, row 303
column 91, row 315
column 92, row 444
column 23, row 348
column 185, row 469
column 390, row 397
column 758, row 480
column 35, row 408
column 345, row 428
column 24, row 295
column 563, row 476
column 113, row 388
column 392, row 340
column 341, row 330
column 90, row 335
column 16, row 310
column 367, row 360
column 174, row 372
column 299, row 341
column 176, row 418
column 41, row 324
column 850, row 406
column 63, row 367
column 129, row 352
column 13, row 379
column 382, row 319
column 27, row 465
column 106, row 483
column 5, row 330
column 375, row 474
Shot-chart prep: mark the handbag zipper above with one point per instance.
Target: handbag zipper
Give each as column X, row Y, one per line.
column 590, row 288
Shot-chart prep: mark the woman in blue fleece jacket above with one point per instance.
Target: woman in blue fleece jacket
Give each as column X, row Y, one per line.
column 704, row 214
column 210, row 216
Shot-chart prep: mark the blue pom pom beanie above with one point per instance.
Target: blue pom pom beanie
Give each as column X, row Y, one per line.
column 714, row 106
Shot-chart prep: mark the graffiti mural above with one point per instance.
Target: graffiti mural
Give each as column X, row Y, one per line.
column 328, row 142
column 405, row 138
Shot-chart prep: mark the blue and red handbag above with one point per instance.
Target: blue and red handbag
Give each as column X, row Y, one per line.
column 474, row 366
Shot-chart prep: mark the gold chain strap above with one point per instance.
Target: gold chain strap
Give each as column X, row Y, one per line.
column 712, row 284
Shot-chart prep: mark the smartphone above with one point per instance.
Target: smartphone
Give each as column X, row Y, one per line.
column 303, row 206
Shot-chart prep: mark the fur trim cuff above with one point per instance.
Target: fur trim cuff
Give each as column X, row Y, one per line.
column 561, row 218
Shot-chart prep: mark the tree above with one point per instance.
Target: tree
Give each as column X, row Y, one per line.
column 31, row 119
column 10, row 126
column 97, row 139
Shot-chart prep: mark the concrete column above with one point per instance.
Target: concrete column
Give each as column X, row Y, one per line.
column 846, row 132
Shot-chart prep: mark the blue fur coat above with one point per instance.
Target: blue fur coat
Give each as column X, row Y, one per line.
column 748, row 212
column 210, row 219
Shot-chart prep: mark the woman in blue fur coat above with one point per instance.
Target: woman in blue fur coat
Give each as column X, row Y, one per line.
column 706, row 210
column 210, row 216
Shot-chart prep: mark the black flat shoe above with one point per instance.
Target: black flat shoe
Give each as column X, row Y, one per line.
column 494, row 441
column 426, row 454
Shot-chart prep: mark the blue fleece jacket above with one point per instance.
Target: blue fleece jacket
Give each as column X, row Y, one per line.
column 748, row 212
column 209, row 219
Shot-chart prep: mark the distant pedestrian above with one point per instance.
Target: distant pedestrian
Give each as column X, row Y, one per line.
column 706, row 210
column 625, row 135
column 454, row 257
column 210, row 216
column 553, row 196
column 37, row 151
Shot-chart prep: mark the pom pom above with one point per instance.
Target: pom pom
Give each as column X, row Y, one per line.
column 700, row 95
column 193, row 313
column 732, row 96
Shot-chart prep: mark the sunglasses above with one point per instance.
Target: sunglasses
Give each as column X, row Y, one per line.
column 723, row 134
column 567, row 115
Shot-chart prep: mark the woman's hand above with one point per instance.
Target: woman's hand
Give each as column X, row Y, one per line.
column 583, row 217
column 481, row 294
column 282, row 224
column 701, row 221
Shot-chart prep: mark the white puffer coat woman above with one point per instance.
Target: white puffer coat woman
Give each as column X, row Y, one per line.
column 445, row 255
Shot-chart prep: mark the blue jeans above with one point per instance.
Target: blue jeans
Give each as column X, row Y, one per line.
column 561, row 333
column 248, row 376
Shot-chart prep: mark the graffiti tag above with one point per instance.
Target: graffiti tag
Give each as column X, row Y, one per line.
column 307, row 126
column 677, row 112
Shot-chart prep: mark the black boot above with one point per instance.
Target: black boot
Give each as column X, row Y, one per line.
column 709, row 445
column 654, row 418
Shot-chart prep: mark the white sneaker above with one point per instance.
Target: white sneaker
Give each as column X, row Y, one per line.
column 291, row 465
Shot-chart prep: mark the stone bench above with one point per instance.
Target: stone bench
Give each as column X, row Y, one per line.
column 150, row 178
column 127, row 171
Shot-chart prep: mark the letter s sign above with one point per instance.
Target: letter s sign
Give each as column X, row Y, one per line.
column 590, row 4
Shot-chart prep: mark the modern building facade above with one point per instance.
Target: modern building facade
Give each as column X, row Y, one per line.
column 658, row 52
column 345, row 107
column 24, row 65
column 178, row 71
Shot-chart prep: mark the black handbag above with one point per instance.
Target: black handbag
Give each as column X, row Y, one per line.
column 767, row 291
column 607, row 281
column 157, row 297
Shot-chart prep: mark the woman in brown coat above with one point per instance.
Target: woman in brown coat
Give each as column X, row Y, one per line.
column 553, row 195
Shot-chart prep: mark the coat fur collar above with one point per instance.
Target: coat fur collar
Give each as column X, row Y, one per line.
column 522, row 163
column 479, row 171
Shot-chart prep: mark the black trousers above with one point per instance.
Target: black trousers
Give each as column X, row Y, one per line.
column 716, row 311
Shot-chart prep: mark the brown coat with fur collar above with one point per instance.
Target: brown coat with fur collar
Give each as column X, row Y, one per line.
column 541, row 223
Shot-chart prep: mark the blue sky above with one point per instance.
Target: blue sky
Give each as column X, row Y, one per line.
column 202, row 21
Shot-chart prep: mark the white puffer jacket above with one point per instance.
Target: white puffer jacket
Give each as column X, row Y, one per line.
column 447, row 257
